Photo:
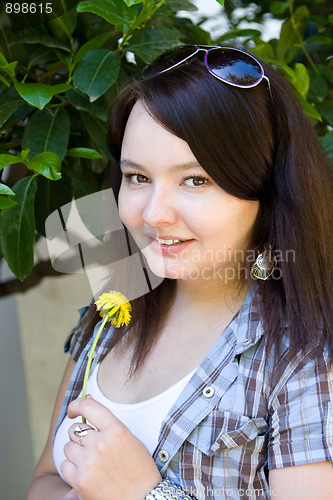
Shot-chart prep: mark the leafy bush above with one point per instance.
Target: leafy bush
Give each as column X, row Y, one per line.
column 60, row 73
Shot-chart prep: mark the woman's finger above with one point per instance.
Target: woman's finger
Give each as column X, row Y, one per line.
column 96, row 413
column 68, row 472
column 79, row 432
column 73, row 452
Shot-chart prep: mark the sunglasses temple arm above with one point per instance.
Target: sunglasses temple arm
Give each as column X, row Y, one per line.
column 268, row 85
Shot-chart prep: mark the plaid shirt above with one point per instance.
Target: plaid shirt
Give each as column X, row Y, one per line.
column 241, row 413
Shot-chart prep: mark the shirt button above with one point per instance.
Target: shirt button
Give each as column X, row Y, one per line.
column 163, row 456
column 208, row 392
column 247, row 342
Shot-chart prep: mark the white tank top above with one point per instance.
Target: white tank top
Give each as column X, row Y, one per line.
column 143, row 419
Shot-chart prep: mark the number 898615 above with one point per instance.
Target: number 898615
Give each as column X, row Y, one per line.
column 28, row 8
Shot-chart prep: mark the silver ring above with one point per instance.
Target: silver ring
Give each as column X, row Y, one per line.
column 80, row 433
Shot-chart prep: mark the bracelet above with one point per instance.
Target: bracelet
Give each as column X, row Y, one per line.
column 167, row 490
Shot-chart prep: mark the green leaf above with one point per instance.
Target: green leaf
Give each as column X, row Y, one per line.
column 91, row 154
column 40, row 56
column 310, row 110
column 176, row 5
column 24, row 154
column 6, row 190
column 287, row 69
column 6, row 202
column 148, row 43
column 81, row 188
column 92, row 44
column 280, row 7
column 36, row 94
column 221, row 2
column 318, row 42
column 129, row 3
column 18, row 229
column 61, row 87
column 39, row 39
column 300, row 14
column 302, row 79
column 318, row 87
column 49, row 197
column 47, row 164
column 326, row 109
column 64, row 24
column 47, row 132
column 327, row 142
column 97, row 71
column 9, row 102
column 99, row 108
column 97, row 131
column 264, row 50
column 9, row 69
column 3, row 60
column 236, row 33
column 7, row 159
column 64, row 58
column 115, row 12
column 285, row 49
column 4, row 81
column 326, row 72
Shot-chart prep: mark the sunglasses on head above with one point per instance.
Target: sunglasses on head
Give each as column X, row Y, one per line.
column 232, row 66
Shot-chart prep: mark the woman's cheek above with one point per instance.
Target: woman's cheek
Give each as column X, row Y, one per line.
column 130, row 214
column 123, row 207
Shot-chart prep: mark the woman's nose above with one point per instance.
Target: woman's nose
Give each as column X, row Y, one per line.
column 160, row 209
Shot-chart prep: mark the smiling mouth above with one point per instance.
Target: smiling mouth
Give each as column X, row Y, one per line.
column 168, row 242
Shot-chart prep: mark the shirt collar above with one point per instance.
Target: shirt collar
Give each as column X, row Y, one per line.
column 249, row 321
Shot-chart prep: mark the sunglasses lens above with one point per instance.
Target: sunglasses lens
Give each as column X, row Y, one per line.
column 169, row 59
column 234, row 66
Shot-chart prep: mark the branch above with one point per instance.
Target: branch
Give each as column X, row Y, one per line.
column 40, row 271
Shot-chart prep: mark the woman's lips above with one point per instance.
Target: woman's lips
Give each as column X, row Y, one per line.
column 168, row 245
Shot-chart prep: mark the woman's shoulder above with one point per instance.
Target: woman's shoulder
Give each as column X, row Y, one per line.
column 289, row 370
column 73, row 342
column 81, row 336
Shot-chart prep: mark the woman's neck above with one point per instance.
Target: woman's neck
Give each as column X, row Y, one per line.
column 209, row 296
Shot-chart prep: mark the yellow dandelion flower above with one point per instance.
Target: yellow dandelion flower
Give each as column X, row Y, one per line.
column 116, row 307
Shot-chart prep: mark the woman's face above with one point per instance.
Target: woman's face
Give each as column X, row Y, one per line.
column 185, row 224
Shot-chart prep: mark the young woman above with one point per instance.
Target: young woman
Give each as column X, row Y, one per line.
column 222, row 385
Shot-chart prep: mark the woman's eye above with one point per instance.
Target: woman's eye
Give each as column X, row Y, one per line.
column 136, row 178
column 195, row 181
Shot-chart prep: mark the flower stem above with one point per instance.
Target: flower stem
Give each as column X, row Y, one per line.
column 91, row 352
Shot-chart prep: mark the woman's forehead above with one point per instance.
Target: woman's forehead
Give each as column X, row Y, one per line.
column 145, row 140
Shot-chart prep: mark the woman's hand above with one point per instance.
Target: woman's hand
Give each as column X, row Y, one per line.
column 110, row 463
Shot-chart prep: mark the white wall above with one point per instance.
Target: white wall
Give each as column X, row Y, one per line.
column 47, row 314
column 33, row 328
column 16, row 457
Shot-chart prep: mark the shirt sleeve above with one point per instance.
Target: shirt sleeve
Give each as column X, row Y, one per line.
column 74, row 339
column 301, row 411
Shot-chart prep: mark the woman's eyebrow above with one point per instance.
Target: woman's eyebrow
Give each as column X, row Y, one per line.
column 180, row 166
column 128, row 163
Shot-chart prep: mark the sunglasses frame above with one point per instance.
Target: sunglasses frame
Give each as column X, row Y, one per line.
column 207, row 49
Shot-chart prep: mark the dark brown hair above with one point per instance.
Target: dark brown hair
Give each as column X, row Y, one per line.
column 256, row 145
